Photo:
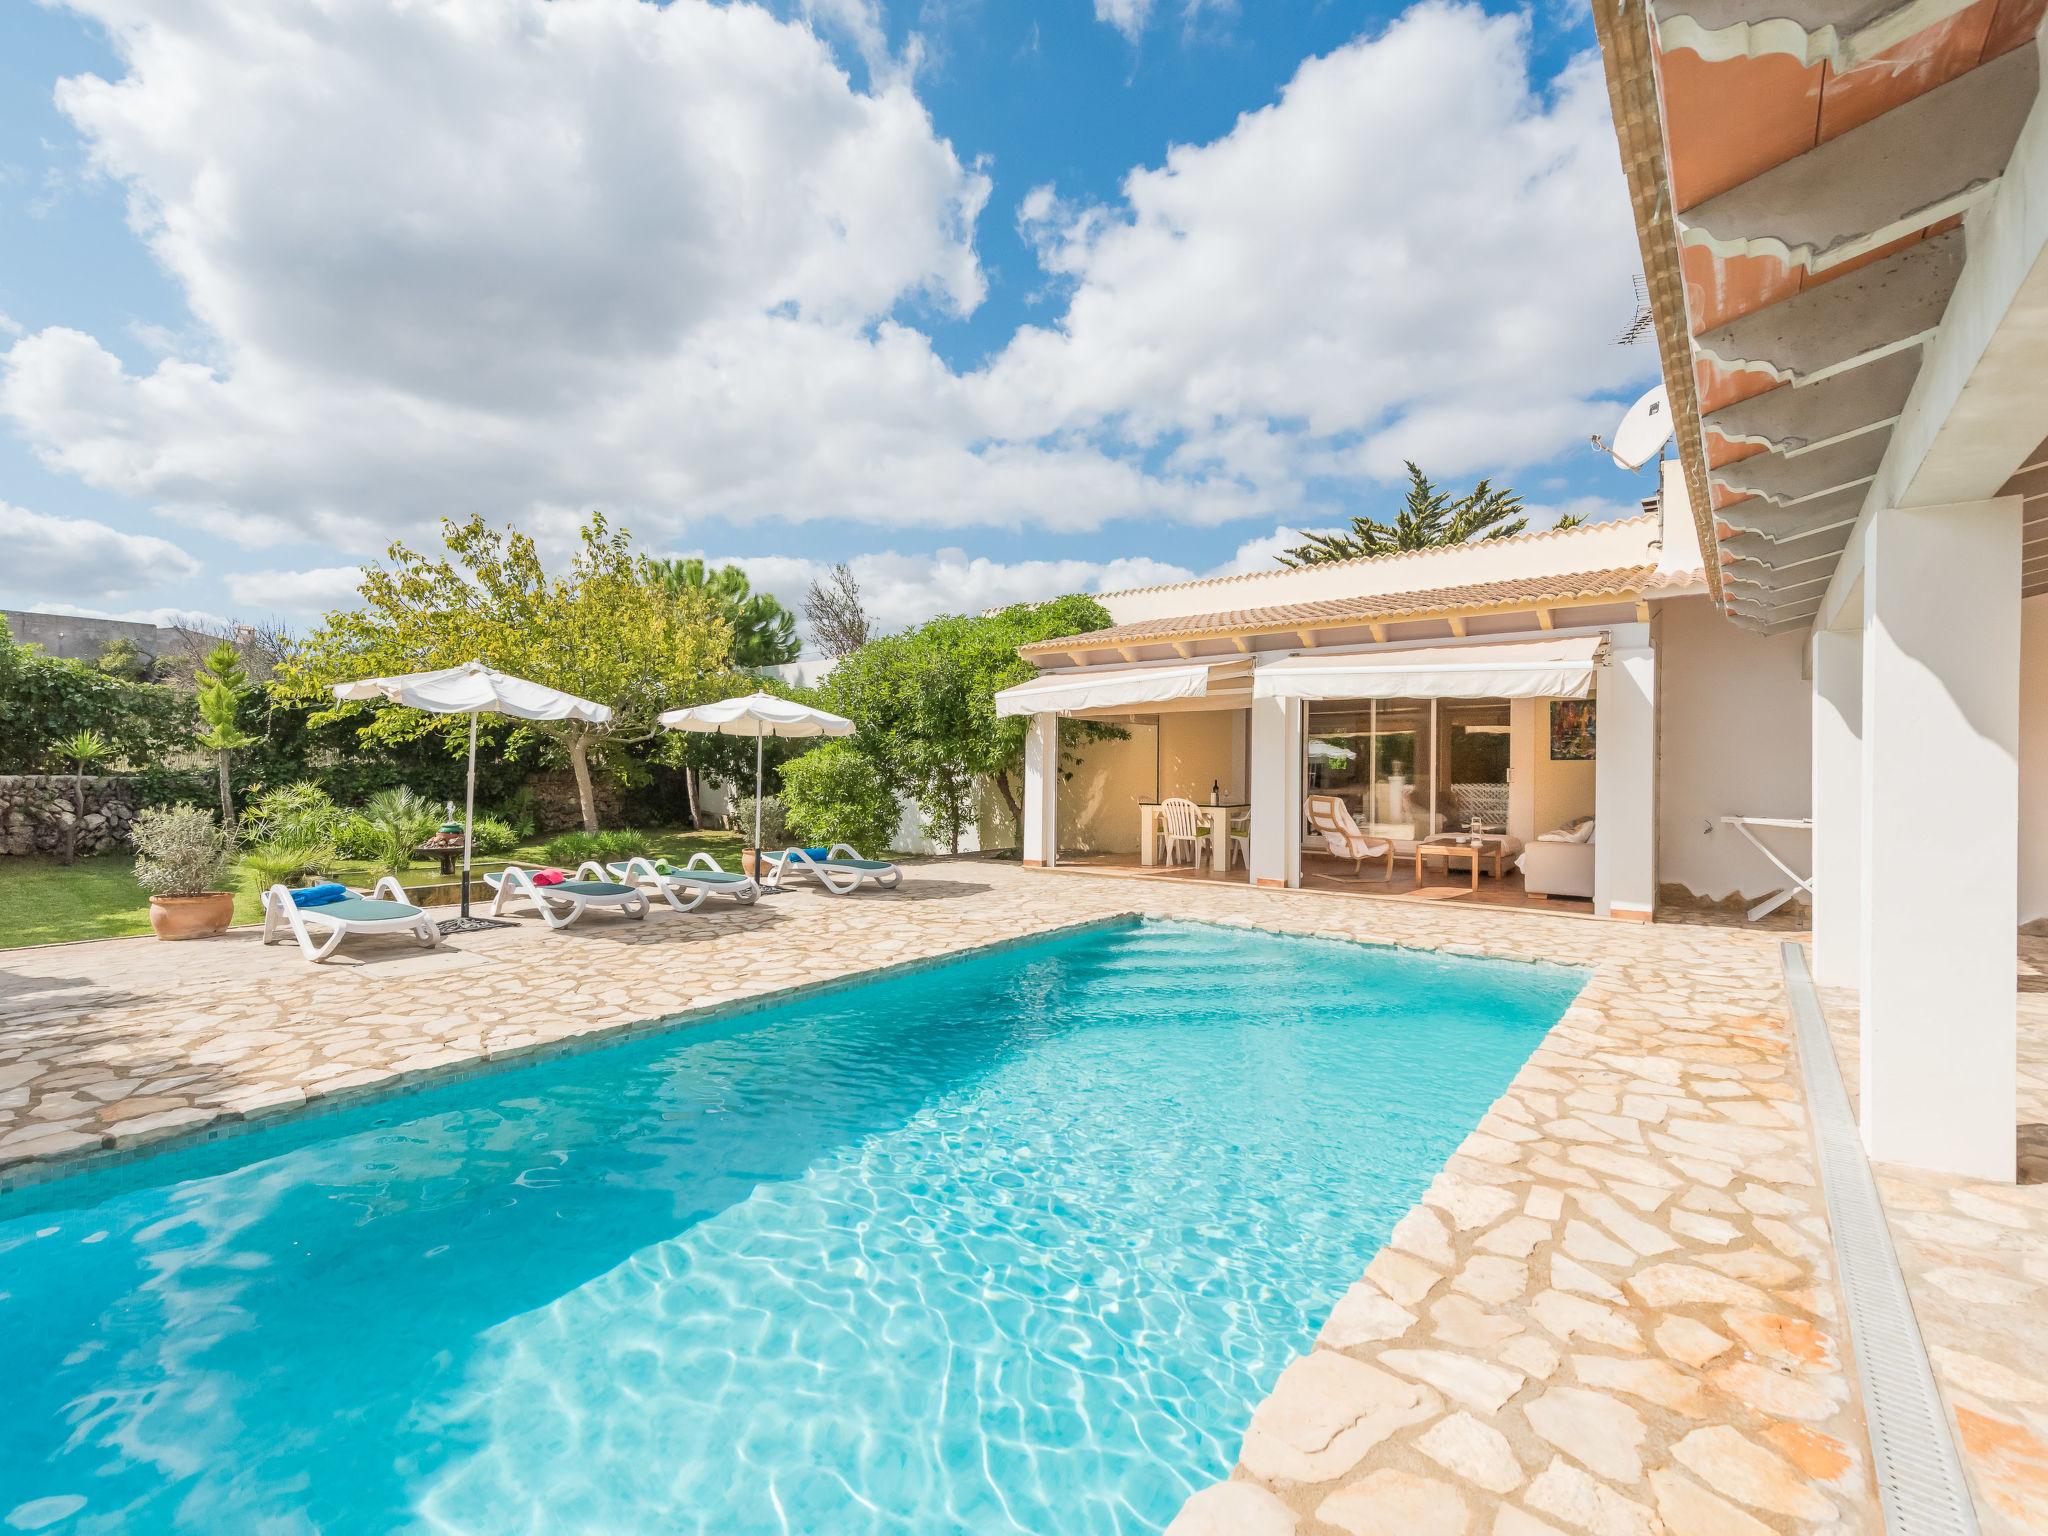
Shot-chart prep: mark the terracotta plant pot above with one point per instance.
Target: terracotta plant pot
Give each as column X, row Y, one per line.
column 191, row 917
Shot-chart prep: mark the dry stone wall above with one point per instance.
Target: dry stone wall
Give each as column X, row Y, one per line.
column 37, row 810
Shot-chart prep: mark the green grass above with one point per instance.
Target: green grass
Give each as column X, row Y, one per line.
column 44, row 902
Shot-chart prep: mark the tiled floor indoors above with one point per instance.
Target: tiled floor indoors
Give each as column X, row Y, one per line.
column 1614, row 1312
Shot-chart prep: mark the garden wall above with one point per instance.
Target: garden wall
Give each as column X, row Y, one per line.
column 36, row 810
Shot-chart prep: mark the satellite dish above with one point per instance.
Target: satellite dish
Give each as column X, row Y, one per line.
column 1643, row 431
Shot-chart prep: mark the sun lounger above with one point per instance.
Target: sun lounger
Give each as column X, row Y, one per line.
column 561, row 904
column 841, row 872
column 384, row 910
column 697, row 880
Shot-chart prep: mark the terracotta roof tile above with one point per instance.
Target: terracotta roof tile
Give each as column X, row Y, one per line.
column 1627, row 581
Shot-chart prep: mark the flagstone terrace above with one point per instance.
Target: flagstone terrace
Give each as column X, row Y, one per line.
column 1614, row 1310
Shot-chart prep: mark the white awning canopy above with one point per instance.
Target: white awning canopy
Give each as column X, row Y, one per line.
column 1095, row 689
column 1506, row 669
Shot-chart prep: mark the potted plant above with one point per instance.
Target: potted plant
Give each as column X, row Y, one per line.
column 181, row 860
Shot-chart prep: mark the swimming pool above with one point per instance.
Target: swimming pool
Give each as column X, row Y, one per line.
column 1009, row 1244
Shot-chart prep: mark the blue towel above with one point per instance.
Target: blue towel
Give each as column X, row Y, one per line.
column 319, row 895
column 817, row 853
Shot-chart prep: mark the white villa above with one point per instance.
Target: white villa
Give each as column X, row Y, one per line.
column 1566, row 682
column 1822, row 644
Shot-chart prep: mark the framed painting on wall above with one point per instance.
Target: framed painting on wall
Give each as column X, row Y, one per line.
column 1571, row 730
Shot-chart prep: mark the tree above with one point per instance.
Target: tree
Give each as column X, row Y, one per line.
column 833, row 610
column 85, row 750
column 835, row 794
column 923, row 704
column 223, row 684
column 124, row 659
column 609, row 629
column 1429, row 519
column 763, row 631
column 1570, row 520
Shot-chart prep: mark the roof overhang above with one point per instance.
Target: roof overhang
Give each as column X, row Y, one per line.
column 1090, row 691
column 1560, row 668
column 1815, row 182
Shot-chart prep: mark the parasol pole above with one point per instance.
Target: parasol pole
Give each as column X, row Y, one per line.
column 469, row 815
column 757, row 799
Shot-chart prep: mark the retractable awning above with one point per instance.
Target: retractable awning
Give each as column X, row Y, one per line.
column 1507, row 669
column 1094, row 689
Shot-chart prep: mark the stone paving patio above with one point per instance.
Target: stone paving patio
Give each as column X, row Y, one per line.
column 1975, row 1256
column 1614, row 1312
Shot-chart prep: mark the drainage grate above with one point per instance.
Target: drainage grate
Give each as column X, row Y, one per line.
column 1919, row 1477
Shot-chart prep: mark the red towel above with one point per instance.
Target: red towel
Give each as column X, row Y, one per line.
column 548, row 877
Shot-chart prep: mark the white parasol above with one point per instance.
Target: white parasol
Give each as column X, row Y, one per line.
column 759, row 715
column 473, row 689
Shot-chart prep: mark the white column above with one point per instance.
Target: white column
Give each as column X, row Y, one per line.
column 1040, row 835
column 1625, row 777
column 1837, row 805
column 1940, row 807
column 1276, row 791
column 1525, row 720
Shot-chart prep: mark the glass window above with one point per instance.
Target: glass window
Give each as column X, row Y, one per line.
column 1472, row 788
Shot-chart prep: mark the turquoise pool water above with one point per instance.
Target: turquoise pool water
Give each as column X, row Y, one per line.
column 1009, row 1245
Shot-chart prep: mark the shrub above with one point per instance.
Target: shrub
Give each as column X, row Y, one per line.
column 489, row 835
column 774, row 820
column 572, row 848
column 835, row 795
column 301, row 813
column 354, row 836
column 179, row 852
column 398, row 822
column 280, row 860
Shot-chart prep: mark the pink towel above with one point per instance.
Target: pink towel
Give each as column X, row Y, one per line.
column 548, row 877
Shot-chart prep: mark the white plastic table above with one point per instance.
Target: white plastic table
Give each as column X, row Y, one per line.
column 1800, row 882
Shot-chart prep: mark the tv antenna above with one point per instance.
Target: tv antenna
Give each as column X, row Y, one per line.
column 1640, row 326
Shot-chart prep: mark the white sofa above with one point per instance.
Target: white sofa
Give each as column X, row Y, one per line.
column 1561, row 863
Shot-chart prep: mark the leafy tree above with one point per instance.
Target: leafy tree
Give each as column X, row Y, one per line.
column 763, row 631
column 923, row 704
column 833, row 609
column 835, row 794
column 609, row 629
column 85, row 750
column 1429, row 519
column 124, row 659
column 223, row 686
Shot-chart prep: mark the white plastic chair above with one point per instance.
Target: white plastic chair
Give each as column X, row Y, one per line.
column 841, row 872
column 560, row 905
column 698, row 880
column 1241, row 841
column 1180, row 825
column 384, row 910
column 1332, row 818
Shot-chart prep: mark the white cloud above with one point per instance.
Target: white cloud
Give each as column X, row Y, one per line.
column 298, row 593
column 900, row 590
column 72, row 559
column 1127, row 16
column 525, row 258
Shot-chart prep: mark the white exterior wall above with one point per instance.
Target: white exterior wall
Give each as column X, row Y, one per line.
column 2034, row 760
column 1737, row 741
column 1940, row 813
column 1838, row 807
column 1625, row 777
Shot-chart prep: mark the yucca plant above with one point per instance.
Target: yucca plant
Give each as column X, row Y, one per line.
column 85, row 750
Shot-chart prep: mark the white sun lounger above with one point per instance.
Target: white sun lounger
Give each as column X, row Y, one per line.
column 560, row 905
column 698, row 879
column 841, row 872
column 384, row 910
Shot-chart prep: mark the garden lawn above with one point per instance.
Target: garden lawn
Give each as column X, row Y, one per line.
column 42, row 901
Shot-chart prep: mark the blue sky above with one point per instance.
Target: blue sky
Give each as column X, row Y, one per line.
column 992, row 301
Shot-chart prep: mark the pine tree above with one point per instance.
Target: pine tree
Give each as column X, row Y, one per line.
column 1429, row 519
